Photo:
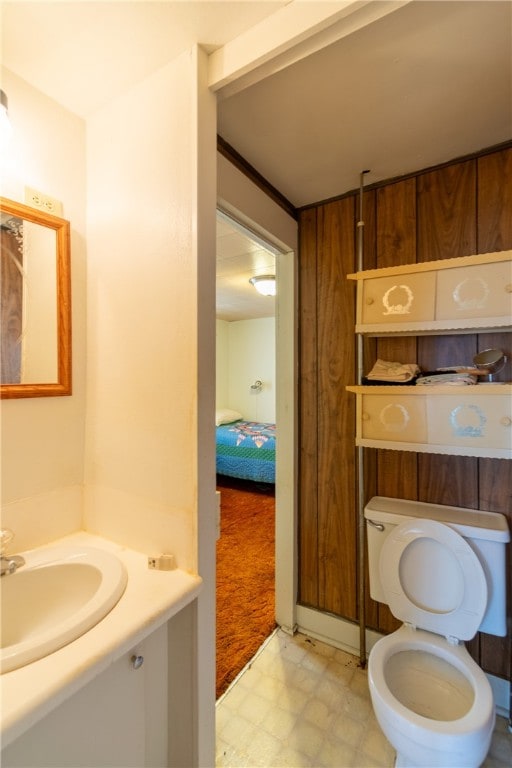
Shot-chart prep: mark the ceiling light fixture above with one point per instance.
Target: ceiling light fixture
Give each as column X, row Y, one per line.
column 264, row 284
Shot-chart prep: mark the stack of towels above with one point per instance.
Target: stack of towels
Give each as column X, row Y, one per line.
column 393, row 373
column 456, row 379
column 384, row 372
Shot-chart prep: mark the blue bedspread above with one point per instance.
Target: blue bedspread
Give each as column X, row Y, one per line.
column 247, row 450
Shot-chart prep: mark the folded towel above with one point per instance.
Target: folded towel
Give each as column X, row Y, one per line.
column 387, row 371
column 453, row 379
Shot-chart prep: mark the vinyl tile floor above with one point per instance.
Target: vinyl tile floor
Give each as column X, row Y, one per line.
column 301, row 703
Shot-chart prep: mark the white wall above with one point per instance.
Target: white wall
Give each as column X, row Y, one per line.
column 252, row 357
column 222, row 364
column 141, row 457
column 246, row 352
column 43, row 438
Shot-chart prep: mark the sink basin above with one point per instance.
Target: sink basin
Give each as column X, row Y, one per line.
column 59, row 594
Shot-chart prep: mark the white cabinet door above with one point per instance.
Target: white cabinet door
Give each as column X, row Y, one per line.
column 479, row 291
column 400, row 299
column 106, row 723
column 394, row 418
column 475, row 423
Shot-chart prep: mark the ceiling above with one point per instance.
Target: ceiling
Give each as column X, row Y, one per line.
column 425, row 84
column 84, row 53
column 240, row 257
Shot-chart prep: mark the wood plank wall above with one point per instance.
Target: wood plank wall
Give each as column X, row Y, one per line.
column 458, row 209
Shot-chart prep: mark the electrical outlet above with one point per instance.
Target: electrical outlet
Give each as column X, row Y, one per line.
column 43, row 202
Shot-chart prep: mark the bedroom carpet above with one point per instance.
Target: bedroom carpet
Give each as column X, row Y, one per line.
column 245, row 576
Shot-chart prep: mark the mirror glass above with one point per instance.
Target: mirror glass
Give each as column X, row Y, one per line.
column 35, row 303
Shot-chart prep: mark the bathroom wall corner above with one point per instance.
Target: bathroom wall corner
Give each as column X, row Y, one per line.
column 140, row 524
column 40, row 519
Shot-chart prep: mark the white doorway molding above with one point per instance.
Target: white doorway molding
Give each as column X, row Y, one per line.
column 249, row 205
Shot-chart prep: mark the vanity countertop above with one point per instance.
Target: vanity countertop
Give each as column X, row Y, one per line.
column 151, row 598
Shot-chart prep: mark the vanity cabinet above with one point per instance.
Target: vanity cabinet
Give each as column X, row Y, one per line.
column 461, row 295
column 466, row 294
column 120, row 718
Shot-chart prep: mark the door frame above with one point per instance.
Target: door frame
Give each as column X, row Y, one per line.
column 286, row 559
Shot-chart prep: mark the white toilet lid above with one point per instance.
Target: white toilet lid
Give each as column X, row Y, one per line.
column 432, row 579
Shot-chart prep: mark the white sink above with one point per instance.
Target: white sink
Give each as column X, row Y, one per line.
column 59, row 594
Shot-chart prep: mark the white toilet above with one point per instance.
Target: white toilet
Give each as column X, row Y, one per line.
column 441, row 570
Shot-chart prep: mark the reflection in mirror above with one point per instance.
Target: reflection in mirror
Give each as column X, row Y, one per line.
column 35, row 303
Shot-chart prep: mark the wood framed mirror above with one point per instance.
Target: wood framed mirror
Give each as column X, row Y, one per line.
column 35, row 302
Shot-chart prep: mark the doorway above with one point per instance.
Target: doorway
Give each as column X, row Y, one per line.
column 259, row 253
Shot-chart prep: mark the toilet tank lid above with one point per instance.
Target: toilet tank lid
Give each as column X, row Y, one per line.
column 470, row 523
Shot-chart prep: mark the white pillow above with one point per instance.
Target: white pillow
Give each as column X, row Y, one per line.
column 226, row 416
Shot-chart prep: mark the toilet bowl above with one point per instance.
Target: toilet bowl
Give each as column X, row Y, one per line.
column 432, row 701
column 444, row 577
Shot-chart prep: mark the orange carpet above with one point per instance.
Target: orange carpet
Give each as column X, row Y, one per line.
column 245, row 575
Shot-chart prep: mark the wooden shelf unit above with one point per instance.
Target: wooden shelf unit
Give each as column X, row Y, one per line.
column 460, row 295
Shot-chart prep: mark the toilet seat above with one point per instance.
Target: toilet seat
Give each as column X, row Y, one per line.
column 467, row 735
column 432, row 579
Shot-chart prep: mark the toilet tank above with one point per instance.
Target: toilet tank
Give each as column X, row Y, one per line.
column 486, row 532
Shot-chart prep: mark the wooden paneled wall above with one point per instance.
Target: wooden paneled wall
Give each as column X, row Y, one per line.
column 456, row 210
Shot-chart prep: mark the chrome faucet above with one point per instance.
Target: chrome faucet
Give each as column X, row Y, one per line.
column 8, row 563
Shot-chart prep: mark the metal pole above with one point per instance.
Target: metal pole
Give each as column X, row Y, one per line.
column 360, row 459
column 510, row 708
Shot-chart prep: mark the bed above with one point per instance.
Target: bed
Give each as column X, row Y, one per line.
column 247, row 450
